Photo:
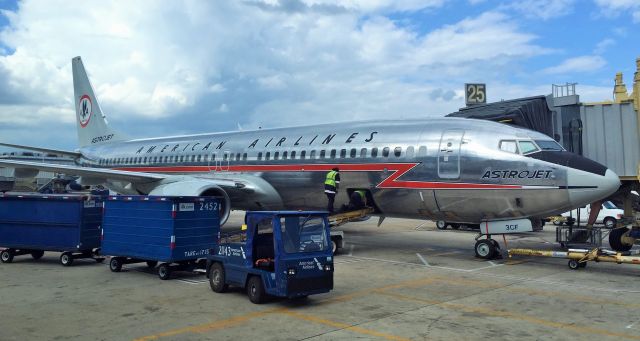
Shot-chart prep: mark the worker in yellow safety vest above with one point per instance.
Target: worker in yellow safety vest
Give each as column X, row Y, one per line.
column 357, row 200
column 331, row 187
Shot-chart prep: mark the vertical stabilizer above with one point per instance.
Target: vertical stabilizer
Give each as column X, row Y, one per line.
column 92, row 126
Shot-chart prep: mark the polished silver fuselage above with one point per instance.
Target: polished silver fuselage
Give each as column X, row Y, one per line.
column 451, row 169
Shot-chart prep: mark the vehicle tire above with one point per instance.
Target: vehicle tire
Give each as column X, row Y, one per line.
column 217, row 279
column 334, row 247
column 557, row 223
column 6, row 256
column 152, row 263
column 37, row 254
column 610, row 222
column 615, row 240
column 164, row 271
column 485, row 249
column 441, row 225
column 115, row 264
column 455, row 226
column 573, row 264
column 255, row 290
column 66, row 259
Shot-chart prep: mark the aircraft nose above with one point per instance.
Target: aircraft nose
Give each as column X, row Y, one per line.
column 585, row 187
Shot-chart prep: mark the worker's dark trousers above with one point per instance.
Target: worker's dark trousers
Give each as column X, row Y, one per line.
column 331, row 197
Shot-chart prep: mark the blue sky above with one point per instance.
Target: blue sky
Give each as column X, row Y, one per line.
column 180, row 67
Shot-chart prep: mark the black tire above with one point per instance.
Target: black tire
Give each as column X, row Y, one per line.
column 615, row 240
column 455, row 226
column 255, row 290
column 164, row 271
column 557, row 223
column 66, row 259
column 115, row 264
column 152, row 263
column 573, row 264
column 37, row 254
column 6, row 256
column 217, row 279
column 610, row 222
column 441, row 225
column 485, row 249
column 334, row 247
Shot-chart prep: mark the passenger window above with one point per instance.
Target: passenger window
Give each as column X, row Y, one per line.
column 422, row 151
column 385, row 152
column 409, row 152
column 343, row 153
column 322, row 154
column 244, row 157
column 199, row 158
column 181, row 158
column 333, row 153
column 213, row 157
column 312, row 155
column 397, row 151
column 363, row 152
column 267, row 156
column 509, row 146
column 527, row 147
column 225, row 157
column 145, row 159
column 284, row 155
column 374, row 152
column 293, row 154
column 353, row 153
column 260, row 156
column 303, row 154
column 276, row 155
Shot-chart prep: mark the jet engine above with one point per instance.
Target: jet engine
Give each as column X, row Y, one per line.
column 197, row 188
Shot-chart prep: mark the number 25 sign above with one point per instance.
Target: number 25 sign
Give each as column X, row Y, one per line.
column 475, row 93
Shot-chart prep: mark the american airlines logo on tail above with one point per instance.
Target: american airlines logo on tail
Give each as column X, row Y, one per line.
column 85, row 110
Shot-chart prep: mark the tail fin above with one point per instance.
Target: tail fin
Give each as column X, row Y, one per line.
column 92, row 125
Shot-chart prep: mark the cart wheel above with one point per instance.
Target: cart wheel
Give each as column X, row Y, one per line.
column 66, row 258
column 6, row 256
column 573, row 264
column 164, row 271
column 115, row 264
column 441, row 225
column 217, row 279
column 255, row 290
column 485, row 249
column 615, row 240
column 152, row 263
column 37, row 254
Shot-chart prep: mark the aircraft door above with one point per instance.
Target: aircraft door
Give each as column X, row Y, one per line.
column 449, row 154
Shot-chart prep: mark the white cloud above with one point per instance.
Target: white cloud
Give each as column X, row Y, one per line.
column 206, row 66
column 617, row 7
column 542, row 9
column 577, row 64
column 604, row 45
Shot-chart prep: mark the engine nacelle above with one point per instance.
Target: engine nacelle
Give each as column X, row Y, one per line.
column 196, row 188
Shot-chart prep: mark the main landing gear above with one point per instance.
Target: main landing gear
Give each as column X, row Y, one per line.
column 487, row 248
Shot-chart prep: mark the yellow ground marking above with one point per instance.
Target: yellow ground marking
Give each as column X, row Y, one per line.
column 343, row 326
column 511, row 315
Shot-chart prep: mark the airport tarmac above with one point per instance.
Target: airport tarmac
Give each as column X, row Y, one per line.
column 405, row 280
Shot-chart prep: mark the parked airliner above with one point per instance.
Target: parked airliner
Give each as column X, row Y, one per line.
column 453, row 169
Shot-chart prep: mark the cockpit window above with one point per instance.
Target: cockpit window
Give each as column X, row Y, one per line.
column 549, row 145
column 509, row 146
column 527, row 147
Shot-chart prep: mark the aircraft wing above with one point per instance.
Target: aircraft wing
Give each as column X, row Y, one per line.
column 43, row 150
column 95, row 173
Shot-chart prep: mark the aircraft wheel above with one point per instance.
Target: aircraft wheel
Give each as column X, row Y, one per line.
column 485, row 249
column 217, row 279
column 255, row 290
column 609, row 222
column 441, row 225
column 615, row 239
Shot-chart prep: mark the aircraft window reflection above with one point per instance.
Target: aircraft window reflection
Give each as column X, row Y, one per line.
column 333, row 153
column 385, row 152
column 549, row 145
column 527, row 147
column 363, row 152
column 353, row 153
column 509, row 146
column 276, row 155
column 293, row 154
column 312, row 155
column 374, row 152
column 343, row 153
column 409, row 152
column 145, row 159
column 260, row 156
column 267, row 156
column 422, row 151
column 199, row 158
column 238, row 157
column 303, row 154
column 397, row 151
column 244, row 157
column 322, row 154
column 284, row 155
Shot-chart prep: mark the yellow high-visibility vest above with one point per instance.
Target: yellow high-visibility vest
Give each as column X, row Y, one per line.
column 331, row 178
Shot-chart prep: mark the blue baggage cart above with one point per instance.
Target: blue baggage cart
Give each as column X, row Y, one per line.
column 35, row 223
column 175, row 231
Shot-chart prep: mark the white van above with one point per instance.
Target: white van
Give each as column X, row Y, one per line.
column 609, row 214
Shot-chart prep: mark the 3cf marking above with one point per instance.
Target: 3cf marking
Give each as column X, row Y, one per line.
column 86, row 109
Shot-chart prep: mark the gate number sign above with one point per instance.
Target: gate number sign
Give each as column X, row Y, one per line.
column 475, row 93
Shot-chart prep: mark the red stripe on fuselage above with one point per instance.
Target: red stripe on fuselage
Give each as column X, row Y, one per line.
column 391, row 181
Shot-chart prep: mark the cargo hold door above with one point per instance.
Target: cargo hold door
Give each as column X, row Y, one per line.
column 449, row 154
